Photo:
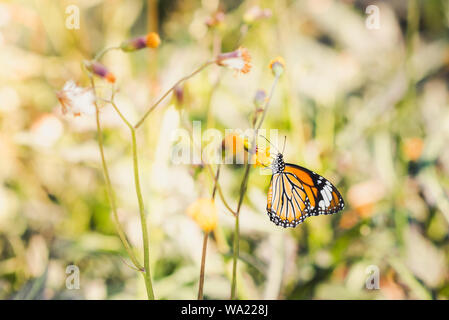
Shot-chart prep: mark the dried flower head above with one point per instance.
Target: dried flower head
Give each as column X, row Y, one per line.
column 76, row 100
column 277, row 66
column 238, row 60
column 204, row 213
column 151, row 40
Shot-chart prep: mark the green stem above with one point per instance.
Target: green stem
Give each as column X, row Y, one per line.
column 209, row 169
column 206, row 236
column 146, row 249
column 236, row 247
column 243, row 188
column 100, row 54
column 265, row 109
column 110, row 192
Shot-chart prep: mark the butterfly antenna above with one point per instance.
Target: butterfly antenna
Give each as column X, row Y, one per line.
column 283, row 148
column 269, row 142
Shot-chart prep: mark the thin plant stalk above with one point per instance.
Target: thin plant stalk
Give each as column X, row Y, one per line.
column 203, row 265
column 147, row 113
column 236, row 246
column 206, row 236
column 203, row 66
column 146, row 245
column 146, row 249
column 110, row 191
column 243, row 188
column 146, row 267
column 209, row 170
column 100, row 54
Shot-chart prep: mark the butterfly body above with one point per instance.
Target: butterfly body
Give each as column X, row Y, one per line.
column 297, row 193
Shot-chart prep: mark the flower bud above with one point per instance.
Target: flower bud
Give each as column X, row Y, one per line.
column 277, row 66
column 100, row 70
column 151, row 40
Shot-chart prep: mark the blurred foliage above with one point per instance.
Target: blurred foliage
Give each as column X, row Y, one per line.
column 367, row 109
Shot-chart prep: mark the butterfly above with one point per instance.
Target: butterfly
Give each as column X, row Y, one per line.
column 297, row 193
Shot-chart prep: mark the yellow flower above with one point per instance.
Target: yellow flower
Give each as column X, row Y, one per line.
column 277, row 66
column 262, row 158
column 238, row 60
column 204, row 213
column 235, row 142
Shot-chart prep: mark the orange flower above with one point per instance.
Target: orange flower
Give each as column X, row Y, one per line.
column 277, row 66
column 238, row 60
column 204, row 213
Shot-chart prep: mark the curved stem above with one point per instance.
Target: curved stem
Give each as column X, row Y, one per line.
column 146, row 249
column 100, row 54
column 209, row 169
column 265, row 109
column 110, row 191
column 139, row 123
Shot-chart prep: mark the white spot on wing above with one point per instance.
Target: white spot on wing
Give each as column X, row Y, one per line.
column 325, row 198
column 321, row 204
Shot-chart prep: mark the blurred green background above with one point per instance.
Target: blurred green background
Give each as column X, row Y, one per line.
column 366, row 108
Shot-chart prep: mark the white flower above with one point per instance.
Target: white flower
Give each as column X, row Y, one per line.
column 76, row 100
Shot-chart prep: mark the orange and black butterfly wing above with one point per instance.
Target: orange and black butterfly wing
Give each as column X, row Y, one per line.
column 287, row 204
column 324, row 197
column 297, row 193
